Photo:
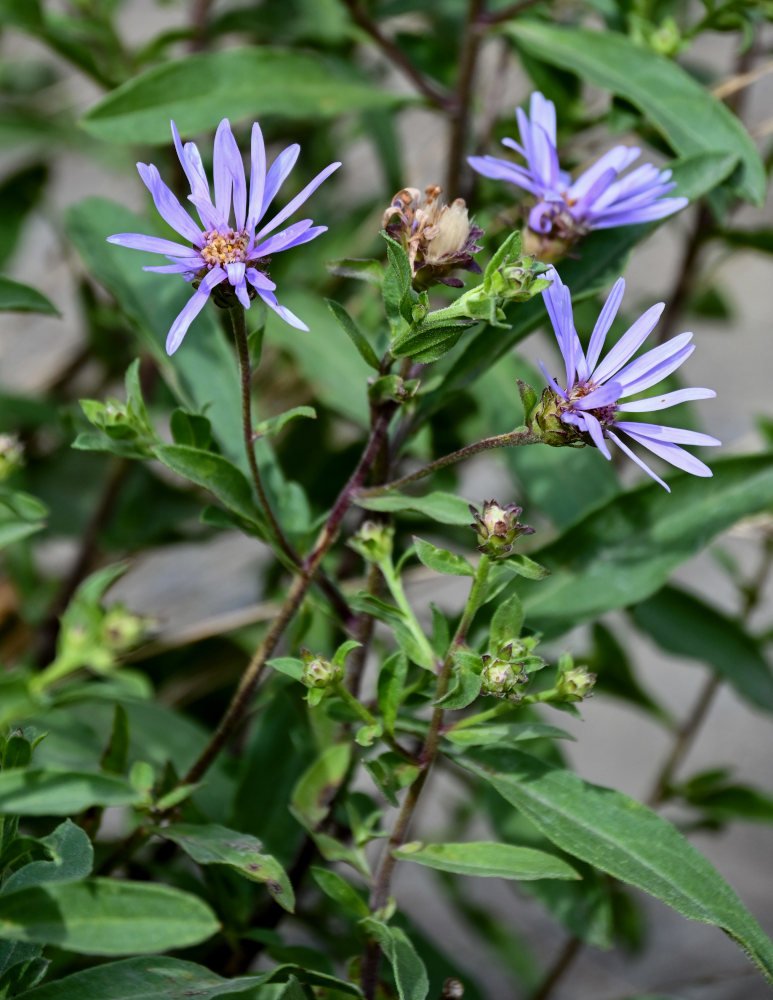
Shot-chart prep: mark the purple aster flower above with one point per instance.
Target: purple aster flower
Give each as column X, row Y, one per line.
column 588, row 409
column 598, row 199
column 231, row 245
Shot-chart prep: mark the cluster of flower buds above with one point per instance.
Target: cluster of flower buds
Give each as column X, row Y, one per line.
column 505, row 672
column 319, row 672
column 545, row 420
column 373, row 541
column 574, row 684
column 498, row 527
column 437, row 237
column 11, row 454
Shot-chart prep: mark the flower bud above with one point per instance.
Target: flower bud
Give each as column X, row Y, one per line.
column 319, row 672
column 501, row 678
column 438, row 238
column 498, row 527
column 373, row 541
column 574, row 684
column 121, row 630
column 546, row 421
column 11, row 454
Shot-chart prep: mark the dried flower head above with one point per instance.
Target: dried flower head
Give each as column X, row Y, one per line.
column 587, row 409
column 229, row 247
column 599, row 198
column 437, row 237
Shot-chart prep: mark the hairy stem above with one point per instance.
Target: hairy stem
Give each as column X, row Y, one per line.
column 521, row 435
column 383, row 879
column 239, row 327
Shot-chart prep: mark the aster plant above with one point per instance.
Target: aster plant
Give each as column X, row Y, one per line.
column 599, row 198
column 229, row 246
column 597, row 390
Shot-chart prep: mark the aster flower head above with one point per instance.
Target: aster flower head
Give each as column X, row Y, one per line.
column 233, row 243
column 438, row 238
column 587, row 411
column 599, row 198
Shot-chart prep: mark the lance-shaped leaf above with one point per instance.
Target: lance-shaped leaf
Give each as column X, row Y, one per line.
column 16, row 297
column 106, row 917
column 488, row 859
column 624, row 838
column 211, row 844
column 409, row 972
column 443, row 507
column 40, row 792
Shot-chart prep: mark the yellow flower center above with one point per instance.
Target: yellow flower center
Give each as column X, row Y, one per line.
column 227, row 247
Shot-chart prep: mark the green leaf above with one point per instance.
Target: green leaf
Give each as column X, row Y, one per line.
column 362, row 269
column 19, row 193
column 316, row 787
column 391, row 682
column 409, row 972
column 464, row 689
column 507, row 622
column 116, row 753
column 106, row 917
column 354, row 334
column 623, row 838
column 441, row 560
column 340, row 890
column 684, row 624
column 443, row 507
column 751, row 239
column 487, row 859
column 211, row 844
column 72, row 857
column 198, row 91
column 625, row 550
column 216, row 474
column 686, row 113
column 61, row 793
column 504, row 734
column 16, row 297
column 275, row 424
column 139, row 979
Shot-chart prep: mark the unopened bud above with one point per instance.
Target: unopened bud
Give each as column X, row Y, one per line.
column 498, row 527
column 319, row 672
column 574, row 684
column 121, row 630
column 546, row 421
column 373, row 541
column 501, row 678
column 11, row 454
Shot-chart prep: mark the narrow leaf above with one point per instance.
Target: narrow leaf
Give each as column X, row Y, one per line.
column 16, row 297
column 354, row 334
column 488, row 859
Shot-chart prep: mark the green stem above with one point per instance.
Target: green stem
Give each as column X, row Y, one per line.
column 383, row 878
column 520, row 436
column 395, row 585
column 370, row 720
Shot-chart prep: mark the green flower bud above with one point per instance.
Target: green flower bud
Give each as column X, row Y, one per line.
column 546, row 421
column 11, row 454
column 498, row 527
column 574, row 684
column 121, row 630
column 319, row 672
column 373, row 541
column 501, row 678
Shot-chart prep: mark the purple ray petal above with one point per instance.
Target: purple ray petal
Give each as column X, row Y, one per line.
column 259, row 280
column 168, row 207
column 628, row 344
column 298, row 200
column 152, row 244
column 171, row 268
column 289, row 317
column 637, row 376
column 605, row 395
column 235, row 274
column 503, row 170
column 674, row 454
column 192, row 308
column 277, row 173
column 609, row 165
column 649, row 213
column 190, row 160
column 257, row 176
column 659, row 432
column 635, row 458
column 552, row 382
column 223, row 169
column 543, row 113
column 604, row 322
column 666, row 400
column 597, row 434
